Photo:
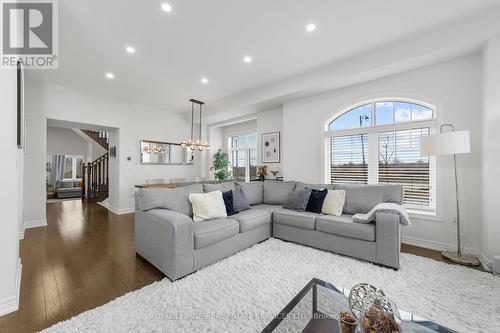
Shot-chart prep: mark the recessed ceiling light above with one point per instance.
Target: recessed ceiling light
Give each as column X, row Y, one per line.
column 204, row 80
column 166, row 7
column 311, row 27
column 247, row 59
column 110, row 76
column 130, row 49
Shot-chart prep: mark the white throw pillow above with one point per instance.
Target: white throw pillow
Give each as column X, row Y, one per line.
column 207, row 206
column 334, row 202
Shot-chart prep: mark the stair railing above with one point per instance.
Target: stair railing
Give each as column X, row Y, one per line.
column 95, row 177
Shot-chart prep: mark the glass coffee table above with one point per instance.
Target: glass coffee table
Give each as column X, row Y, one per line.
column 316, row 307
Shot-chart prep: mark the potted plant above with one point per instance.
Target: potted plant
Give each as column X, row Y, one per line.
column 51, row 192
column 262, row 172
column 220, row 166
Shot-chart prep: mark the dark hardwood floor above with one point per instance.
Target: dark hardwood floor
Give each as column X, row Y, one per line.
column 84, row 258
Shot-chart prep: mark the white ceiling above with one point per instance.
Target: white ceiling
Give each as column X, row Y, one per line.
column 209, row 38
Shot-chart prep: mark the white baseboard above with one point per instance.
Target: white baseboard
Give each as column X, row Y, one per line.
column 433, row 245
column 11, row 304
column 35, row 224
column 115, row 210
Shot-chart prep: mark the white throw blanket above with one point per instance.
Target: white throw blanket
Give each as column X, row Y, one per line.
column 387, row 207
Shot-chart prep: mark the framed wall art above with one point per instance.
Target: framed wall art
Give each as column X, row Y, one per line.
column 271, row 147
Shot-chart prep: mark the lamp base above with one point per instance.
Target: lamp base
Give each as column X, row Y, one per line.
column 462, row 259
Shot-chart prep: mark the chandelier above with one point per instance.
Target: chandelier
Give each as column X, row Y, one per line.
column 191, row 143
column 155, row 149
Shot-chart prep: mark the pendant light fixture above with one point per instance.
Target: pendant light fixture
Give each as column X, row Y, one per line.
column 192, row 143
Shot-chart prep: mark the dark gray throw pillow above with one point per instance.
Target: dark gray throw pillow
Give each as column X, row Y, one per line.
column 240, row 202
column 298, row 200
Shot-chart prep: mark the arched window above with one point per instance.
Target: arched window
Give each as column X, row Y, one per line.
column 379, row 142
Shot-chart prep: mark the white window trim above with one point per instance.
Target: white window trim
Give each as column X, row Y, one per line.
column 246, row 149
column 73, row 166
column 372, row 131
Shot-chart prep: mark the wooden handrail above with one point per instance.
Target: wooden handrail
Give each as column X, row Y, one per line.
column 95, row 177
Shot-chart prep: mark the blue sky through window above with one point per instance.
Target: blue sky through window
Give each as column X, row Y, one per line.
column 387, row 112
column 351, row 119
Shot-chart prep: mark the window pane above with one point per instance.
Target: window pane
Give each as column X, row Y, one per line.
column 419, row 112
column 68, row 168
column 349, row 159
column 238, row 164
column 402, row 112
column 384, row 112
column 400, row 162
column 356, row 118
column 253, row 163
column 252, row 140
column 243, row 141
column 78, row 168
column 239, row 141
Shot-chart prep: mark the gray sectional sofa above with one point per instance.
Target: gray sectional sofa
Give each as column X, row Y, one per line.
column 166, row 235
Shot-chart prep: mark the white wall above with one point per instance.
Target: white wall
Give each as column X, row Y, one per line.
column 237, row 129
column 95, row 150
column 64, row 141
column 261, row 122
column 267, row 122
column 69, row 141
column 490, row 238
column 133, row 122
column 454, row 88
column 9, row 199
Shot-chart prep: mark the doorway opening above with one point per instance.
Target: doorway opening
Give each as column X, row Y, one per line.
column 77, row 161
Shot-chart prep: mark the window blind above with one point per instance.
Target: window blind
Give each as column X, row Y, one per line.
column 349, row 159
column 400, row 162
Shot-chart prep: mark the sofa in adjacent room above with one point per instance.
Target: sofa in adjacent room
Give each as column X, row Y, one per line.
column 68, row 189
column 166, row 235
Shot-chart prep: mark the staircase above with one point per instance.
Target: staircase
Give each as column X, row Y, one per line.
column 102, row 138
column 95, row 179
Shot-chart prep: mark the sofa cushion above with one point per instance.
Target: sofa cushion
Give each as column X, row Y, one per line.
column 66, row 184
column 176, row 199
column 304, row 220
column 68, row 190
column 223, row 187
column 252, row 218
column 240, row 202
column 301, row 186
column 268, row 208
column 276, row 192
column 344, row 226
column 212, row 231
column 362, row 198
column 297, row 200
column 252, row 191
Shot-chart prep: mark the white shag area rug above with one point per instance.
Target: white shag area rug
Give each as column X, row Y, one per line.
column 243, row 292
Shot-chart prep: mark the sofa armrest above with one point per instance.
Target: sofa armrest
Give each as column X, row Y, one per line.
column 388, row 237
column 165, row 238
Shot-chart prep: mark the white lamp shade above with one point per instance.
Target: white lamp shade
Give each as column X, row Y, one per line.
column 448, row 143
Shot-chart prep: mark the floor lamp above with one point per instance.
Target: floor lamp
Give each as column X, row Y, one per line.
column 451, row 143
